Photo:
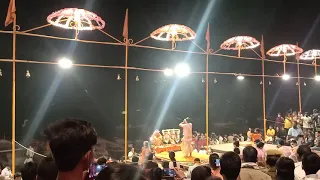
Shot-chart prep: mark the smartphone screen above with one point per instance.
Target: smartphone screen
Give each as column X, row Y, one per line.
column 218, row 162
column 169, row 172
column 95, row 169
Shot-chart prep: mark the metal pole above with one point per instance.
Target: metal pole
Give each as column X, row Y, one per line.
column 264, row 100
column 207, row 97
column 299, row 87
column 126, row 104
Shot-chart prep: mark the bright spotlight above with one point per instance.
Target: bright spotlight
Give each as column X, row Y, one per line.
column 285, row 76
column 182, row 69
column 65, row 63
column 317, row 78
column 240, row 77
column 168, row 72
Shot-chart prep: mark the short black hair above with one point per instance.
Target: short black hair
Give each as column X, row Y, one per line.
column 201, row 172
column 47, row 169
column 212, row 161
column 236, row 143
column 69, row 140
column 101, row 160
column 196, row 160
column 150, row 157
column 281, row 142
column 272, row 160
column 236, row 150
column 230, row 164
column 250, row 154
column 135, row 159
column 303, row 149
column 29, row 171
column 260, row 145
column 311, row 163
column 285, row 168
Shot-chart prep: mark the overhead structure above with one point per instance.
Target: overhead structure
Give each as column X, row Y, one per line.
column 312, row 55
column 76, row 19
column 173, row 33
column 284, row 50
column 239, row 43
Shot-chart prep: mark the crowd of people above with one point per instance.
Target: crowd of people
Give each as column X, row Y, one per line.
column 71, row 143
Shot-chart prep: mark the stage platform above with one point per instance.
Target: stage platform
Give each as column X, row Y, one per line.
column 220, row 149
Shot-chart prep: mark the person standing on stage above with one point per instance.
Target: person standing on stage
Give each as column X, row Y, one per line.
column 279, row 121
column 187, row 138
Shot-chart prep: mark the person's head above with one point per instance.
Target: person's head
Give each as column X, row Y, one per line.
column 71, row 142
column 146, row 144
column 285, row 168
column 17, row 176
column 302, row 150
column 281, row 142
column 230, row 164
column 236, row 150
column 132, row 149
column 294, row 124
column 249, row 129
column 120, row 171
column 257, row 130
column 200, row 173
column 270, row 127
column 293, row 143
column 277, row 128
column 310, row 163
column 306, row 114
column 29, row 171
column 236, row 144
column 279, row 115
column 196, row 160
column 213, row 158
column 250, row 154
column 102, row 160
column 172, row 156
column 315, row 111
column 155, row 174
column 260, row 145
column 47, row 169
column 272, row 157
column 135, row 159
column 165, row 164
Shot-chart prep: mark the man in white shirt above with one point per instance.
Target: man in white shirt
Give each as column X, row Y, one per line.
column 311, row 166
column 307, row 123
column 299, row 173
column 6, row 172
column 294, row 132
column 191, row 168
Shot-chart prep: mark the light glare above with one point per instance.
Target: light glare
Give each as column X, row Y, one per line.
column 65, row 63
column 240, row 77
column 317, row 78
column 182, row 69
column 285, row 76
column 168, row 72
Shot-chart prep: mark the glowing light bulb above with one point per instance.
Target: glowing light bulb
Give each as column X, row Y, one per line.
column 317, row 78
column 182, row 69
column 304, row 83
column 0, row 72
column 240, row 77
column 65, row 63
column 286, row 77
column 137, row 78
column 118, row 77
column 269, row 83
column 168, row 72
column 215, row 81
column 28, row 75
column 203, row 80
column 260, row 82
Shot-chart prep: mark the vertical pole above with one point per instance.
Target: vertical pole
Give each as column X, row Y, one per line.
column 126, row 104
column 207, row 97
column 264, row 100
column 315, row 66
column 13, row 143
column 299, row 87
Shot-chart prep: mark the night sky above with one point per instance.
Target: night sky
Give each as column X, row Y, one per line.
column 94, row 94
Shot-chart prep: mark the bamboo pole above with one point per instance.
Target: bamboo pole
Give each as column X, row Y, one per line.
column 207, row 98
column 126, row 104
column 299, row 87
column 264, row 100
column 13, row 143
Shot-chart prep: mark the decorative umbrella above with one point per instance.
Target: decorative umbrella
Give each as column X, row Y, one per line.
column 240, row 42
column 313, row 54
column 173, row 33
column 284, row 50
column 77, row 19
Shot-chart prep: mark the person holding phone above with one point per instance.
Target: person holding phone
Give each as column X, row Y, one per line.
column 214, row 161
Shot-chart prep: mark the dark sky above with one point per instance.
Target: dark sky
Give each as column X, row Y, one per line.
column 95, row 95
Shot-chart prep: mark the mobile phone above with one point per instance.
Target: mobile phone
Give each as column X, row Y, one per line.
column 169, row 172
column 218, row 162
column 95, row 169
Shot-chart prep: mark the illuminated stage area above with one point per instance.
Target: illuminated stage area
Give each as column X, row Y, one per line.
column 220, row 148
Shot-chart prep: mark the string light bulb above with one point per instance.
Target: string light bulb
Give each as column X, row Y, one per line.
column 118, row 78
column 261, row 82
column 215, row 81
column 297, row 84
column 203, row 81
column 137, row 78
column 269, row 83
column 0, row 72
column 28, row 75
column 304, row 83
